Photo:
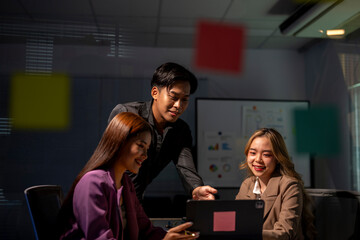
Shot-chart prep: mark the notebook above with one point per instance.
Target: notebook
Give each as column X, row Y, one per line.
column 226, row 219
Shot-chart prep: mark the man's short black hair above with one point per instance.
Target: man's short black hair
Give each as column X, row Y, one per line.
column 168, row 73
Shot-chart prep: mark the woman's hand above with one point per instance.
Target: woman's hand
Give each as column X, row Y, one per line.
column 179, row 232
column 204, row 193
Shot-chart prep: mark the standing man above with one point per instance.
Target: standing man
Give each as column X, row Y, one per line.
column 171, row 87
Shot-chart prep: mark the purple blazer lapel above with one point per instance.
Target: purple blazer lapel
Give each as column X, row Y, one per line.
column 115, row 218
column 129, row 196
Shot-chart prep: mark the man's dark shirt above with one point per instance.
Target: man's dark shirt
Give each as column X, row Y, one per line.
column 174, row 145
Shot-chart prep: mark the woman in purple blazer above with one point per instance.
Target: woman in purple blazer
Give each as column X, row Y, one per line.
column 272, row 178
column 102, row 202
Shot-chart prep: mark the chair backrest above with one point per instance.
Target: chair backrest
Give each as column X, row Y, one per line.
column 337, row 213
column 44, row 203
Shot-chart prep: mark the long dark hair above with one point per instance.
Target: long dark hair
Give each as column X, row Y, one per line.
column 285, row 167
column 120, row 129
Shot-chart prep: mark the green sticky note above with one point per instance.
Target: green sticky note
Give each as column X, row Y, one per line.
column 40, row 101
column 317, row 131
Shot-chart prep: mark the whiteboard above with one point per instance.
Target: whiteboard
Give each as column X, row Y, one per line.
column 223, row 127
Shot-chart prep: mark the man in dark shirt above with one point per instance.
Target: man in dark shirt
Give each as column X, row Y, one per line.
column 171, row 87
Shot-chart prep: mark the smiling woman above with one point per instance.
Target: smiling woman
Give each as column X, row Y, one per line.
column 132, row 155
column 102, row 202
column 272, row 178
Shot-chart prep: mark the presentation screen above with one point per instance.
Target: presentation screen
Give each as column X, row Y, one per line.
column 223, row 127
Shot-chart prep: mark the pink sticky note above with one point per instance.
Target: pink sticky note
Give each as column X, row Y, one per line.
column 219, row 47
column 224, row 221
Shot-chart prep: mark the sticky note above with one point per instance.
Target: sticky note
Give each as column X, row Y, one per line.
column 317, row 131
column 224, row 221
column 40, row 101
column 219, row 47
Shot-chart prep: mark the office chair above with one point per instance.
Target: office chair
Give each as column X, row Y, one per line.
column 337, row 213
column 44, row 202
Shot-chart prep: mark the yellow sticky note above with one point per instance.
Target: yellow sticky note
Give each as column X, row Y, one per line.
column 40, row 101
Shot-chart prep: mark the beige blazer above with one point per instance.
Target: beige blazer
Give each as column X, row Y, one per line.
column 283, row 206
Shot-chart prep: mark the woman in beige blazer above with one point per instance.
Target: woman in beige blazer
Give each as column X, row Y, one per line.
column 273, row 179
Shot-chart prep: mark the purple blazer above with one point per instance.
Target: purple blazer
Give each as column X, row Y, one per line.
column 96, row 210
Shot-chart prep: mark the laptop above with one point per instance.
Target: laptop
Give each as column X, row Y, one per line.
column 226, row 219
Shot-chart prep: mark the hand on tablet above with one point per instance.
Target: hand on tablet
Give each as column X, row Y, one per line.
column 204, row 193
column 180, row 232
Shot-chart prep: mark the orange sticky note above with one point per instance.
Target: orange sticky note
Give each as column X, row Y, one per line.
column 219, row 47
column 224, row 221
